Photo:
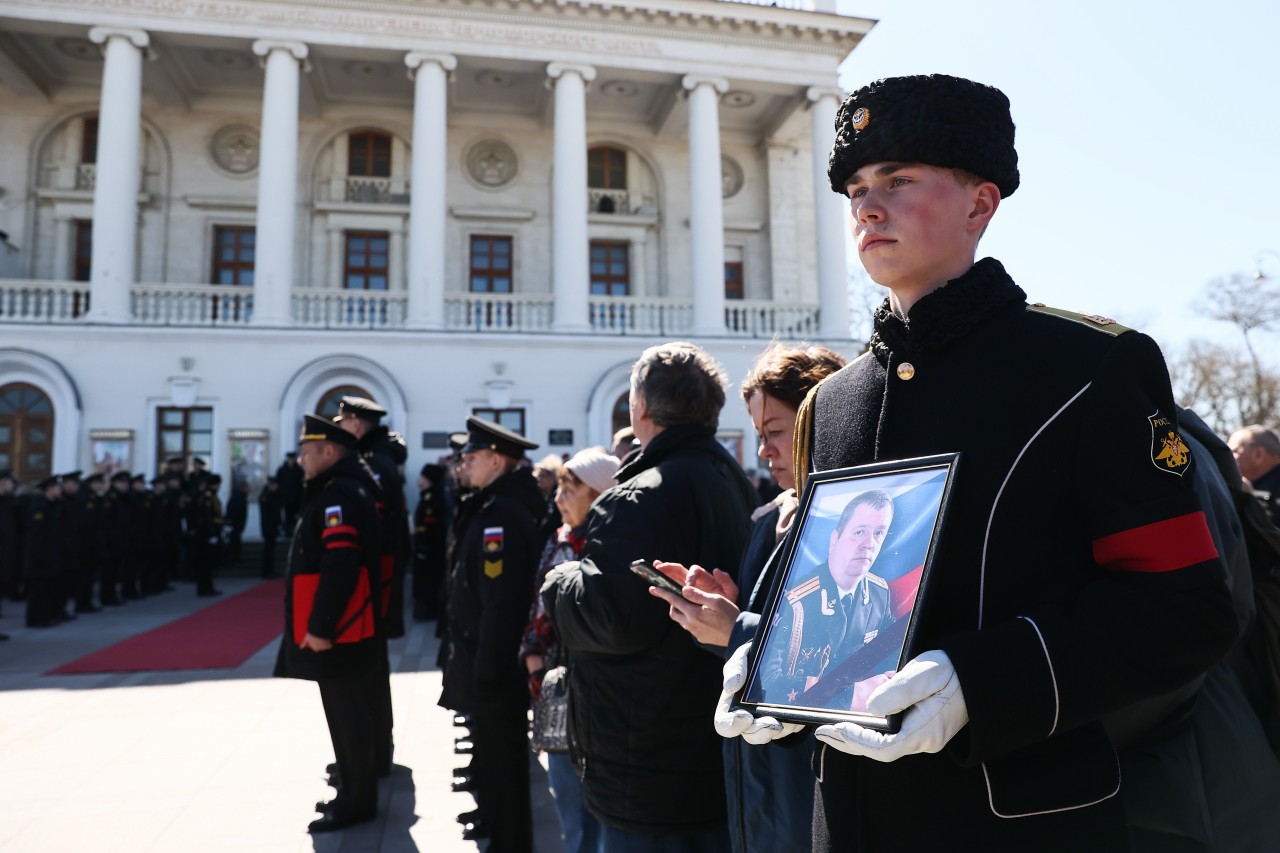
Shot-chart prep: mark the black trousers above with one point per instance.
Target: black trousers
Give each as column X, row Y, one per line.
column 379, row 688
column 500, row 768
column 347, row 711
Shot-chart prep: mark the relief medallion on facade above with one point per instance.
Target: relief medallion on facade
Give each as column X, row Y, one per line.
column 492, row 163
column 235, row 149
column 731, row 177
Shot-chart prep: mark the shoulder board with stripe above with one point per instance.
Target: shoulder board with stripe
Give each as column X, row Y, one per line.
column 810, row 586
column 877, row 580
column 1102, row 324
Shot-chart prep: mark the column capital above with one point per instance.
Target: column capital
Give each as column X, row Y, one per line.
column 415, row 59
column 817, row 93
column 264, row 47
column 556, row 70
column 138, row 38
column 693, row 81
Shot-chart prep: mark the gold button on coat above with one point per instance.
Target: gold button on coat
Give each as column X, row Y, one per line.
column 906, row 370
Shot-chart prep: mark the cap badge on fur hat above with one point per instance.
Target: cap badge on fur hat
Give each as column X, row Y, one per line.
column 860, row 119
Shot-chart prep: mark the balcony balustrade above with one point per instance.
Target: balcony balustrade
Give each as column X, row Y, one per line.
column 86, row 176
column 212, row 305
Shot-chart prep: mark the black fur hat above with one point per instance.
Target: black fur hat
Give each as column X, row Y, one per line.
column 932, row 119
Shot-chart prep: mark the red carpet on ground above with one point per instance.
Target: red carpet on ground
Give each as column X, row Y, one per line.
column 220, row 636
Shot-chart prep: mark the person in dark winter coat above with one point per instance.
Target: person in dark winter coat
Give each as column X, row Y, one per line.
column 330, row 608
column 270, row 519
column 769, row 786
column 44, row 552
column 237, row 517
column 641, row 690
column 289, row 476
column 430, row 540
column 495, row 561
column 1075, row 575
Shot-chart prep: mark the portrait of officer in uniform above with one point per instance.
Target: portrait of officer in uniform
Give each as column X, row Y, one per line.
column 834, row 612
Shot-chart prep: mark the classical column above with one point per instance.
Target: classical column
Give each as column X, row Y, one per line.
column 829, row 218
column 337, row 262
column 277, row 182
column 706, row 204
column 114, row 266
column 427, row 197
column 570, row 239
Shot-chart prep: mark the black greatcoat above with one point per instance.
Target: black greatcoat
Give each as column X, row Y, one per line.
column 642, row 691
column 495, row 559
column 378, row 453
column 331, row 584
column 1075, row 575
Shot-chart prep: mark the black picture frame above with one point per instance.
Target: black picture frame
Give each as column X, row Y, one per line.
column 822, row 672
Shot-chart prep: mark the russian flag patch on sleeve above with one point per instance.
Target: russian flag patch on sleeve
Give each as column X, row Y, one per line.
column 332, row 516
column 492, row 539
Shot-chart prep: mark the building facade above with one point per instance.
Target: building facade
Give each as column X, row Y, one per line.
column 217, row 216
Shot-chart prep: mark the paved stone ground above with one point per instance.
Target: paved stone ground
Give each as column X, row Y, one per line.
column 210, row 760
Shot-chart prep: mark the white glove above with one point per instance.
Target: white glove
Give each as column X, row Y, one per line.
column 740, row 723
column 929, row 691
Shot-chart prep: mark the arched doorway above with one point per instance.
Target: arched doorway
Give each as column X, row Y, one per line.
column 328, row 405
column 26, row 432
column 622, row 411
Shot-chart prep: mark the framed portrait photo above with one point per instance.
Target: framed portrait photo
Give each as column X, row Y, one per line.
column 841, row 615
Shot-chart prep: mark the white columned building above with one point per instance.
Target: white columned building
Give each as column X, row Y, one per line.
column 114, row 265
column 829, row 212
column 428, row 201
column 706, row 205
column 277, row 182
column 570, row 239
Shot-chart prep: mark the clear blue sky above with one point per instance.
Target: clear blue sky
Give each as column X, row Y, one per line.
column 1148, row 137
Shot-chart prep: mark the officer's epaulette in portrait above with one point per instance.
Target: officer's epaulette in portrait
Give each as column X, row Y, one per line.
column 877, row 580
column 810, row 586
column 1094, row 321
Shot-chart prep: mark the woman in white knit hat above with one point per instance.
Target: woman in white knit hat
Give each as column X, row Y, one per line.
column 582, row 479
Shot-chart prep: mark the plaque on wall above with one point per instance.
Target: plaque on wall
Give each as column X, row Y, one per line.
column 560, row 437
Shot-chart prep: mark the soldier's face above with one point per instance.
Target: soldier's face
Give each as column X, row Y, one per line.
column 315, row 457
column 916, row 226
column 854, row 550
column 481, row 467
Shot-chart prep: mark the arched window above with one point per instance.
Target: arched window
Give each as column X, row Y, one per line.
column 622, row 412
column 26, row 432
column 328, row 405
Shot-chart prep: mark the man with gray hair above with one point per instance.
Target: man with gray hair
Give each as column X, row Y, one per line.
column 1257, row 452
column 641, row 688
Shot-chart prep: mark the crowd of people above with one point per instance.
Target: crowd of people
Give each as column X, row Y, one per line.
column 1079, row 636
column 74, row 543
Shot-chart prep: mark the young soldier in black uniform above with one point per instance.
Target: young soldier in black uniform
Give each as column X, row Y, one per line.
column 10, row 544
column 330, row 634
column 495, row 561
column 1076, row 574
column 269, row 518
column 205, row 530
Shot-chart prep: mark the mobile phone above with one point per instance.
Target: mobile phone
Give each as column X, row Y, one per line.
column 655, row 577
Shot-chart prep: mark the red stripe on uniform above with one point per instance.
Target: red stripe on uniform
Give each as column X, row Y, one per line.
column 342, row 543
column 341, row 528
column 1161, row 546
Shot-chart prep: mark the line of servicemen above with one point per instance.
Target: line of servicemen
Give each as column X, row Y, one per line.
column 71, row 544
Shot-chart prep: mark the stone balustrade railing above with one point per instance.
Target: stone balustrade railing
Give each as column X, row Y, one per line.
column 25, row 301
column 348, row 309
column 499, row 312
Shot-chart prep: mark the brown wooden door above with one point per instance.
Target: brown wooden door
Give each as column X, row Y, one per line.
column 26, row 432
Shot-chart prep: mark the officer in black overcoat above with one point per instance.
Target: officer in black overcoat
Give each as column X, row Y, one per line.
column 430, row 539
column 44, row 552
column 270, row 520
column 289, row 476
column 331, row 590
column 495, row 560
column 10, row 544
column 362, row 418
column 80, row 541
column 204, row 528
column 119, row 526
